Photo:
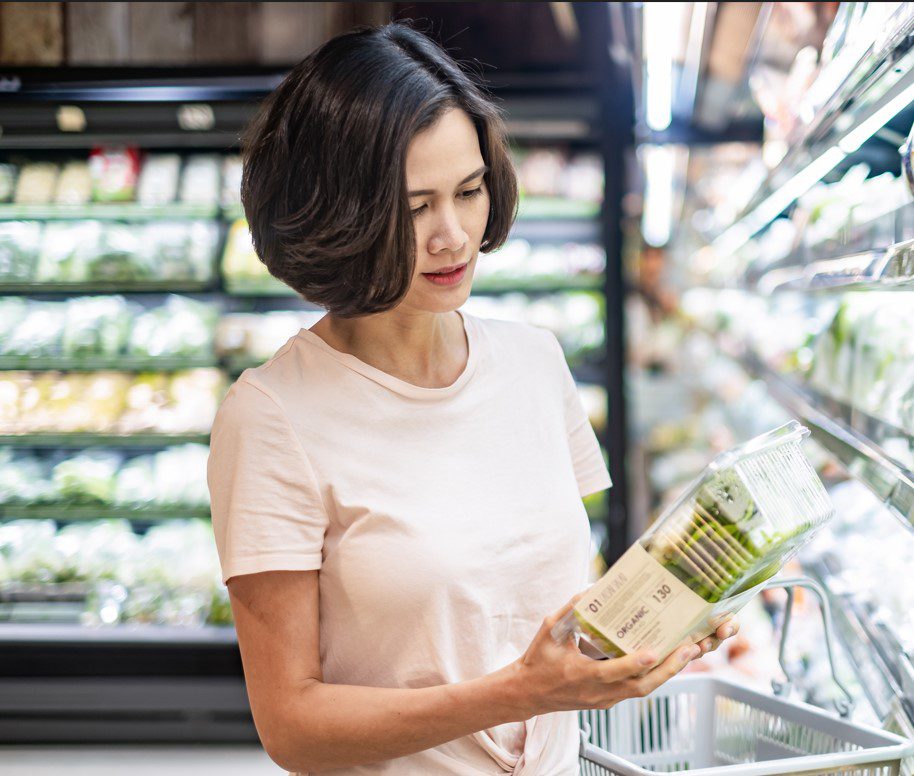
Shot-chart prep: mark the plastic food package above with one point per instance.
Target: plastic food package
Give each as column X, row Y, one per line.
column 38, row 332
column 20, row 245
column 74, row 187
column 7, row 182
column 114, row 174
column 231, row 181
column 200, row 180
column 65, row 247
column 88, row 478
column 36, row 183
column 96, row 326
column 258, row 336
column 708, row 554
column 180, row 250
column 158, row 183
column 181, row 327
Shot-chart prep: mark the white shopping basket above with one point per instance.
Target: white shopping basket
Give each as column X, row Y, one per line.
column 702, row 726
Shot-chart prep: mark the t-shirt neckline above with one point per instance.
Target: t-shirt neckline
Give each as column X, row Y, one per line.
column 395, row 383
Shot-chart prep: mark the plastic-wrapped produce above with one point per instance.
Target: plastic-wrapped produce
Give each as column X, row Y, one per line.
column 23, row 479
column 96, row 326
column 136, row 482
column 181, row 327
column 181, row 250
column 38, row 333
column 257, row 336
column 114, row 174
column 200, row 180
column 705, row 557
column 231, row 181
column 119, row 256
column 180, row 475
column 12, row 310
column 74, row 187
column 158, row 184
column 88, row 478
column 66, row 249
column 28, row 546
column 36, row 183
column 7, row 182
column 101, row 550
column 582, row 178
column 20, row 246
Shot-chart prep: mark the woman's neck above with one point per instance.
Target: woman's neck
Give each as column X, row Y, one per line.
column 426, row 349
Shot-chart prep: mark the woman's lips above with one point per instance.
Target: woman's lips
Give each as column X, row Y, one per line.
column 451, row 278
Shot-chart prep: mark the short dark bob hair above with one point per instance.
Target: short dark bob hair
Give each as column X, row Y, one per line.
column 324, row 182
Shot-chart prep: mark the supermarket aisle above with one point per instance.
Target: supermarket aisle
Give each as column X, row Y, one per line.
column 137, row 760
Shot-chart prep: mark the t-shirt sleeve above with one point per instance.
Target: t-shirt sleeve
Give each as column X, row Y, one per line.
column 266, row 505
column 586, row 456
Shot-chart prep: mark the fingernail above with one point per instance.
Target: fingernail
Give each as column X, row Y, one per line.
column 690, row 653
column 647, row 659
column 729, row 631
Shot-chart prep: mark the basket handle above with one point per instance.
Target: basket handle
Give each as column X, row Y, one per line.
column 844, row 706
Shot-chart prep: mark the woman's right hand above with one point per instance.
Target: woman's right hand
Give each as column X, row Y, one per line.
column 558, row 677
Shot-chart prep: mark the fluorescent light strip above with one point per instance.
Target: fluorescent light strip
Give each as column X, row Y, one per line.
column 657, row 218
column 692, row 64
column 660, row 25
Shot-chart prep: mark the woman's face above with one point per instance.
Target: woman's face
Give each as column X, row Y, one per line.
column 449, row 201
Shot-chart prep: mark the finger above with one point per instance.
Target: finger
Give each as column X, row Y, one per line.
column 553, row 619
column 727, row 629
column 618, row 669
column 669, row 668
column 709, row 645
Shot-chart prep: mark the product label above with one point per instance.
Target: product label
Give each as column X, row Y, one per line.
column 639, row 605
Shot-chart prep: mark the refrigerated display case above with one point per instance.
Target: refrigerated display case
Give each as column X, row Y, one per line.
column 130, row 298
column 801, row 306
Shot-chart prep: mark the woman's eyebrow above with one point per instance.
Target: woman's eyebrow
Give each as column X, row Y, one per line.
column 474, row 174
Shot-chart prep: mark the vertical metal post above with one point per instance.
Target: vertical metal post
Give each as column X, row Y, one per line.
column 618, row 115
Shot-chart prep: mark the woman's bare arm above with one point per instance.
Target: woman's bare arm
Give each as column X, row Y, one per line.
column 307, row 725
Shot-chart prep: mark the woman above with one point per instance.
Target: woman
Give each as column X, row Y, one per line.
column 396, row 495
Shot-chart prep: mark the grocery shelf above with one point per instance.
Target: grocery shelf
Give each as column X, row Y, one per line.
column 113, row 211
column 877, row 267
column 554, row 208
column 75, row 512
column 89, row 439
column 172, row 636
column 103, row 363
column 163, row 286
column 851, row 442
column 487, row 286
column 259, row 286
column 533, row 285
column 557, row 230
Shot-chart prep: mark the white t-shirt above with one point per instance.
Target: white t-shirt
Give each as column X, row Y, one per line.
column 446, row 522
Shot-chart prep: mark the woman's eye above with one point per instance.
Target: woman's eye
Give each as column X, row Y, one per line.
column 472, row 192
column 416, row 211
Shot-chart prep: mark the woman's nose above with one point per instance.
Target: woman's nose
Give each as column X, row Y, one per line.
column 448, row 234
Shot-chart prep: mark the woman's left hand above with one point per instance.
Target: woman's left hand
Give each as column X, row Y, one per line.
column 726, row 630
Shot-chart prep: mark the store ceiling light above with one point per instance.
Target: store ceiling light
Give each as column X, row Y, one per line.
column 661, row 26
column 659, row 171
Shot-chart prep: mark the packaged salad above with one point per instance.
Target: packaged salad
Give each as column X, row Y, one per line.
column 734, row 528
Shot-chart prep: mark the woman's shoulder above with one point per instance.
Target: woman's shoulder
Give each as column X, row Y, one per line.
column 525, row 338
